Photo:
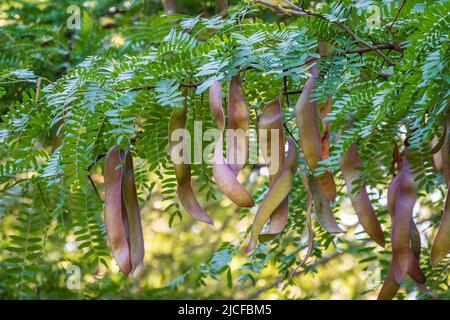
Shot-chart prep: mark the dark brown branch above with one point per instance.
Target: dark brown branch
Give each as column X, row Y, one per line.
column 390, row 25
column 340, row 24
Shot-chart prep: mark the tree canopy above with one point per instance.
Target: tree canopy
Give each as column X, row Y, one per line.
column 80, row 77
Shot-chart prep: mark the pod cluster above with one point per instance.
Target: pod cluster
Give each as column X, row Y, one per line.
column 122, row 218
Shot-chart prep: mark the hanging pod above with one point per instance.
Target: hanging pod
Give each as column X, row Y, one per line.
column 405, row 199
column 322, row 207
column 186, row 195
column 445, row 152
column 325, row 109
column 406, row 255
column 270, row 128
column 311, row 141
column 239, row 123
column 224, row 177
column 350, row 164
column 278, row 191
column 122, row 217
column 441, row 243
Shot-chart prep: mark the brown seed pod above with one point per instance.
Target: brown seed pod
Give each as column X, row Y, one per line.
column 405, row 200
column 310, row 138
column 360, row 200
column 391, row 283
column 325, row 109
column 271, row 119
column 279, row 190
column 238, row 120
column 445, row 153
column 441, row 243
column 122, row 216
column 224, row 177
column 130, row 200
column 185, row 192
column 115, row 217
column 323, row 209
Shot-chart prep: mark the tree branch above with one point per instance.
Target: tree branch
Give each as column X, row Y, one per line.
column 305, row 13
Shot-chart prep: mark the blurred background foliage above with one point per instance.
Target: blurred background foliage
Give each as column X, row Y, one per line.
column 184, row 259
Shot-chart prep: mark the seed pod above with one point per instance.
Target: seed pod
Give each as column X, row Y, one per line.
column 122, row 217
column 390, row 286
column 238, row 119
column 360, row 200
column 130, row 200
column 186, row 195
column 325, row 109
column 445, row 153
column 279, row 190
column 225, row 179
column 271, row 119
column 115, row 217
column 308, row 219
column 441, row 243
column 323, row 209
column 310, row 138
column 404, row 205
column 437, row 156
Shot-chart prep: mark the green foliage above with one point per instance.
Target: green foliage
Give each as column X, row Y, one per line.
column 67, row 96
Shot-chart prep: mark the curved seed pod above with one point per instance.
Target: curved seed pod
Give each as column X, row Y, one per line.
column 437, row 156
column 445, row 154
column 238, row 119
column 323, row 209
column 308, row 220
column 360, row 200
column 326, row 135
column 277, row 193
column 130, row 200
column 225, row 179
column 404, row 205
column 310, row 138
column 115, row 217
column 186, row 195
column 271, row 119
column 390, row 286
column 441, row 243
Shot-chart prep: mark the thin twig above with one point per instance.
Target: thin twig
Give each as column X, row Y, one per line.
column 339, row 23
